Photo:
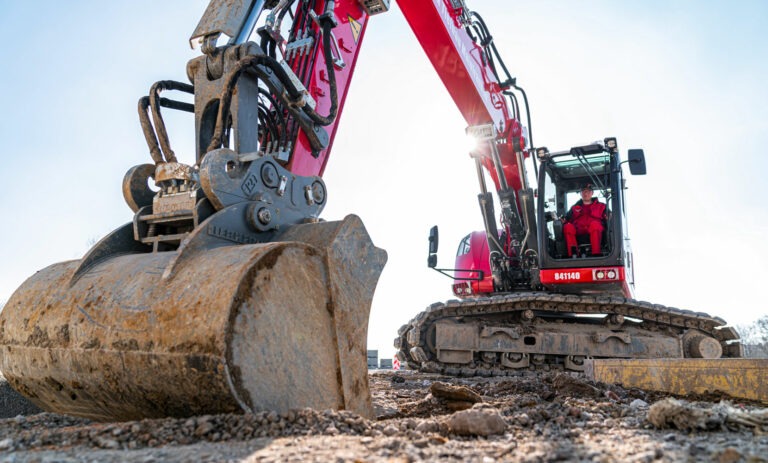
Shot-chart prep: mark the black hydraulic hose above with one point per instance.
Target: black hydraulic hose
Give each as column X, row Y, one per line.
column 527, row 112
column 487, row 41
column 149, row 132
column 317, row 118
column 293, row 94
column 515, row 106
column 267, row 121
column 154, row 103
column 178, row 105
column 279, row 112
column 272, row 49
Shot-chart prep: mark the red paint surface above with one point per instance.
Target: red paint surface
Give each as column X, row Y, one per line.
column 302, row 162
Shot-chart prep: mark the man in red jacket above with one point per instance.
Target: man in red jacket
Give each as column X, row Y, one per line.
column 586, row 217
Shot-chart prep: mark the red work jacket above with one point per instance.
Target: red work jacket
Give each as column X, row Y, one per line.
column 581, row 215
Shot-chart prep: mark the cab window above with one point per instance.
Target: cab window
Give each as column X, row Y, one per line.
column 463, row 246
column 572, row 197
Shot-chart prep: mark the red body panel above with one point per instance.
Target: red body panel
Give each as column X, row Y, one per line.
column 352, row 23
column 584, row 280
column 457, row 60
column 470, row 265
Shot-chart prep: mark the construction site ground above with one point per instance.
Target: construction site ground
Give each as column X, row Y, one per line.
column 545, row 416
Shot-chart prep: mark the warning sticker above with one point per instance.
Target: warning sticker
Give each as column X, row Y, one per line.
column 356, row 28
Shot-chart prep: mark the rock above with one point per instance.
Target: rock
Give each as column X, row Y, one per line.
column 398, row 379
column 203, row 428
column 476, row 422
column 457, row 405
column 568, row 385
column 681, row 415
column 107, row 443
column 6, row 444
column 729, row 455
column 390, row 430
column 410, row 423
column 638, row 403
column 454, row 393
column 427, row 426
column 385, row 412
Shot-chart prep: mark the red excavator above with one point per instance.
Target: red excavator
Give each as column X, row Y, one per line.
column 228, row 292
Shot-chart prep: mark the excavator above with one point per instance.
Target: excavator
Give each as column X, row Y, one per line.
column 227, row 291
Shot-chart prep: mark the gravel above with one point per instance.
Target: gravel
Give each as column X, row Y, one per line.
column 531, row 417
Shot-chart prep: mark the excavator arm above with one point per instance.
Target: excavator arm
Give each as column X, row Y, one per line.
column 226, row 291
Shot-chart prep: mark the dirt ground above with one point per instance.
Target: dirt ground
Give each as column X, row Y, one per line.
column 420, row 417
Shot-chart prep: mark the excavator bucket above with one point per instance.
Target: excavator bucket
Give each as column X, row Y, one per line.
column 200, row 330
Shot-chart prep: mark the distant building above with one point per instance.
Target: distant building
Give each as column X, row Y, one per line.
column 373, row 359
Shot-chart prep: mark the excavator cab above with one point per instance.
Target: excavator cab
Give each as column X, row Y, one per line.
column 560, row 179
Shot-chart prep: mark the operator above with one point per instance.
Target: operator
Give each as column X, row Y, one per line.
column 586, row 217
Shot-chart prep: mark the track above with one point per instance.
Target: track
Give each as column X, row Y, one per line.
column 415, row 341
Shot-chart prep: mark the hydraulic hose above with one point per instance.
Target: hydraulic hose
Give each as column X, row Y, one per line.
column 157, row 118
column 222, row 118
column 293, row 94
column 146, row 125
column 149, row 132
column 314, row 116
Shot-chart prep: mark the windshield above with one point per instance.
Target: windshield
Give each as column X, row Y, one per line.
column 570, row 166
column 562, row 181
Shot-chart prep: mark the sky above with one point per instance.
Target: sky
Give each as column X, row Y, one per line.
column 683, row 80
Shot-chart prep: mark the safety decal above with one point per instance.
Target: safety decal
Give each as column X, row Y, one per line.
column 356, row 28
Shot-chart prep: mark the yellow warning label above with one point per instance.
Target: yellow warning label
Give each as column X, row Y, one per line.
column 356, row 28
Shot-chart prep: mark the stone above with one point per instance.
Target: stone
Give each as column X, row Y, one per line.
column 107, row 443
column 476, row 422
column 567, row 385
column 427, row 426
column 203, row 428
column 638, row 403
column 390, row 430
column 457, row 405
column 729, row 455
column 454, row 393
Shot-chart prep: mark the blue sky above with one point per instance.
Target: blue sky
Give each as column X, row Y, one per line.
column 683, row 80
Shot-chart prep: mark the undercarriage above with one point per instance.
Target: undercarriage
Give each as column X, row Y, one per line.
column 507, row 333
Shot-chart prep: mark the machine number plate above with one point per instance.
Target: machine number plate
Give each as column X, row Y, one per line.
column 567, row 276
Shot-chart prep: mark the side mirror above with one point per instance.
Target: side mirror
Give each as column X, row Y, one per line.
column 636, row 159
column 433, row 241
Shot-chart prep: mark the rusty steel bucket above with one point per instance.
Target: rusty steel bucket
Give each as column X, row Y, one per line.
column 272, row 326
